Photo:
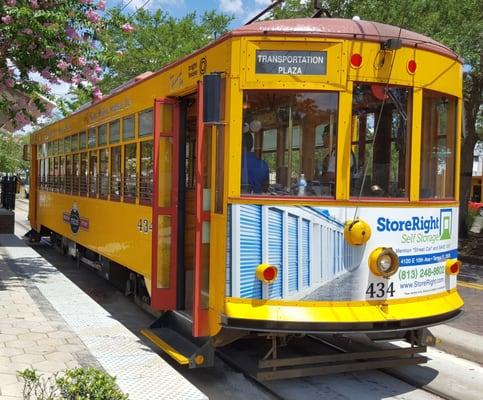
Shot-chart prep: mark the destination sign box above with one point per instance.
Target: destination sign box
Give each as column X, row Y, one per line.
column 291, row 62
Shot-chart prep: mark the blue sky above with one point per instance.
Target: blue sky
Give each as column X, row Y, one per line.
column 242, row 10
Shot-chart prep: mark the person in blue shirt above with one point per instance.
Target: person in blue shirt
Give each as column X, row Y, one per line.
column 254, row 171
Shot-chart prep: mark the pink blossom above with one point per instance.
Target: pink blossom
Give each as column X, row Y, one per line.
column 86, row 1
column 101, row 5
column 71, row 32
column 9, row 82
column 47, row 54
column 96, row 94
column 11, row 3
column 60, row 45
column 76, row 80
column 97, row 69
column 127, row 27
column 7, row 19
column 34, row 4
column 93, row 16
column 21, row 119
column 32, row 46
column 45, row 74
column 62, row 65
column 27, row 31
column 81, row 61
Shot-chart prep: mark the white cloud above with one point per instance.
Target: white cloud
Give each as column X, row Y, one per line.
column 151, row 4
column 263, row 3
column 232, row 6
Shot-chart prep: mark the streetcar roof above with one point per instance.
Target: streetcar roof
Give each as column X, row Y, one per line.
column 340, row 28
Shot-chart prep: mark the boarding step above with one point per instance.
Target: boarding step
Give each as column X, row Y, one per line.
column 167, row 334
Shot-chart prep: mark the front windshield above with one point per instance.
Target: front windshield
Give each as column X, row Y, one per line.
column 289, row 143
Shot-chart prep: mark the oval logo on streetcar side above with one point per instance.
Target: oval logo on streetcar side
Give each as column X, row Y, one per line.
column 74, row 220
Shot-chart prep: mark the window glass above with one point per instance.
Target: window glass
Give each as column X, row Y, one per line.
column 56, row 147
column 68, row 174
column 103, row 172
column 146, row 178
column 56, row 173
column 74, row 143
column 50, row 147
column 61, row 174
column 130, row 175
column 91, row 137
column 102, row 135
column 51, row 178
column 67, row 144
column 438, row 146
column 75, row 174
column 279, row 152
column 83, row 174
column 114, row 131
column 128, row 128
column 93, row 173
column 82, row 140
column 116, row 172
column 380, row 151
column 60, row 146
column 146, row 122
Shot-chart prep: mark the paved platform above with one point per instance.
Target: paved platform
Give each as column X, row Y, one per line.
column 48, row 323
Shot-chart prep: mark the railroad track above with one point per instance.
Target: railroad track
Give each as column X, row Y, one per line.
column 380, row 383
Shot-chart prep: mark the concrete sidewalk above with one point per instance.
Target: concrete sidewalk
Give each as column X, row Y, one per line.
column 48, row 323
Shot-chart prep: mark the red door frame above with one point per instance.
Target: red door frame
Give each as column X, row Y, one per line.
column 200, row 315
column 165, row 298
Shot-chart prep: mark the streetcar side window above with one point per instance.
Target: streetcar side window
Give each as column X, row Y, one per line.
column 83, row 174
column 116, row 173
column 438, row 146
column 68, row 174
column 91, row 138
column 103, row 173
column 75, row 174
column 114, row 131
column 75, row 143
column 67, row 144
column 146, row 122
column 61, row 174
column 128, row 128
column 380, row 151
column 93, row 173
column 102, row 135
column 82, row 140
column 146, row 178
column 289, row 143
column 130, row 172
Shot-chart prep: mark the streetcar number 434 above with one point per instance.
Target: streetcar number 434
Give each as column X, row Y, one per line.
column 380, row 289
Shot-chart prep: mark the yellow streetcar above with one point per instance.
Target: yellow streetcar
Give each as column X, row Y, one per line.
column 294, row 176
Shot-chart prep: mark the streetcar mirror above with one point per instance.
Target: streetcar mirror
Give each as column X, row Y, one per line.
column 211, row 98
column 26, row 152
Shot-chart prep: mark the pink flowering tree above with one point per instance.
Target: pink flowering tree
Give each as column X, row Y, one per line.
column 54, row 38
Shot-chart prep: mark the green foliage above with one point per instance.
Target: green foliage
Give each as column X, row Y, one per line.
column 72, row 384
column 11, row 148
column 156, row 39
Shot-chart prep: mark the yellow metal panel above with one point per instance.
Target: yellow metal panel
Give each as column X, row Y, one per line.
column 113, row 231
column 343, row 312
column 415, row 161
column 344, row 144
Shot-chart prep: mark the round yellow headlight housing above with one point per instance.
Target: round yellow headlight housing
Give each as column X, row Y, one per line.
column 384, row 262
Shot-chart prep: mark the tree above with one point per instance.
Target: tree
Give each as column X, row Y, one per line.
column 154, row 40
column 11, row 147
column 54, row 38
column 455, row 23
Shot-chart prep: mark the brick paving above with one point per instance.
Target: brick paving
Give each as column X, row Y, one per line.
column 32, row 335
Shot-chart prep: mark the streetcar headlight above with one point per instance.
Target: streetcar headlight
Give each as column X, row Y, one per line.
column 383, row 261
